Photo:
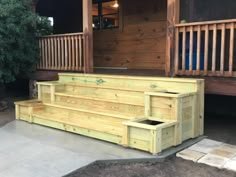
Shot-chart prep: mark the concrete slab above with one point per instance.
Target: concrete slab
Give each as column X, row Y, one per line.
column 230, row 165
column 188, row 154
column 29, row 150
column 213, row 160
column 206, row 146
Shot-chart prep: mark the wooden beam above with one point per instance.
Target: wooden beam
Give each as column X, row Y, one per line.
column 220, row 86
column 172, row 20
column 88, row 31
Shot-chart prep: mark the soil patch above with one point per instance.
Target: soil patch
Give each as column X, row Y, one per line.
column 171, row 167
column 7, row 116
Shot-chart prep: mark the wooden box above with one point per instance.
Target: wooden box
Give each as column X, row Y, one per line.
column 46, row 90
column 24, row 109
column 169, row 121
column 180, row 107
column 149, row 134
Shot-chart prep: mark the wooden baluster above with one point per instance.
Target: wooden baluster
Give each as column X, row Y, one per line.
column 85, row 57
column 73, row 53
column 184, row 50
column 206, row 50
column 81, row 52
column 41, row 53
column 55, row 53
column 198, row 49
column 231, row 49
column 39, row 66
column 49, row 54
column 63, row 55
column 214, row 49
column 69, row 52
column 191, row 50
column 59, row 53
column 46, row 52
column 52, row 53
column 222, row 53
column 176, row 50
column 76, row 53
column 66, row 53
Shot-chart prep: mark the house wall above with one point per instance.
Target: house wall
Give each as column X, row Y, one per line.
column 140, row 43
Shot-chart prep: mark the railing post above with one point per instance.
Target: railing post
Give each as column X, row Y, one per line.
column 88, row 32
column 172, row 19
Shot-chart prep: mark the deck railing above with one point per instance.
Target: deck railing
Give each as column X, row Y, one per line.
column 205, row 48
column 64, row 52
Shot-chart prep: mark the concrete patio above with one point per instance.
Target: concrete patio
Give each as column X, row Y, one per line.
column 28, row 150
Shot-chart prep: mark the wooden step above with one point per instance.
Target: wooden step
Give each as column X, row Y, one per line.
column 82, row 122
column 89, row 111
column 130, row 82
column 50, row 120
column 98, row 105
column 131, row 97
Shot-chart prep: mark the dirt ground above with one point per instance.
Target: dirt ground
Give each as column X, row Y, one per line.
column 7, row 116
column 171, row 167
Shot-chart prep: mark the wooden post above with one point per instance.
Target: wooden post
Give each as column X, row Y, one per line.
column 88, row 32
column 17, row 112
column 172, row 19
column 147, row 105
column 34, row 5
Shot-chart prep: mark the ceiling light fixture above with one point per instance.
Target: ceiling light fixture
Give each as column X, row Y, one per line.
column 115, row 5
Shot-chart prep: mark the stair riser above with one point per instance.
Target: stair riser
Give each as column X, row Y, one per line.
column 101, row 106
column 130, row 83
column 86, row 120
column 119, row 96
column 78, row 130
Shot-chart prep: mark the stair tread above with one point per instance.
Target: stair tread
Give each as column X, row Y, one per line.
column 97, row 107
column 69, row 94
column 105, row 128
column 66, row 106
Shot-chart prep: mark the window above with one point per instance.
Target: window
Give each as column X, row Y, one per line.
column 105, row 14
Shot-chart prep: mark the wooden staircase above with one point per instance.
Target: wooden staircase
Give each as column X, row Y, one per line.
column 145, row 113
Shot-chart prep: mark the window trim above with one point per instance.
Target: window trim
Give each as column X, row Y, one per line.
column 119, row 13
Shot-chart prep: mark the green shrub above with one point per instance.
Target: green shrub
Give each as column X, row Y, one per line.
column 19, row 29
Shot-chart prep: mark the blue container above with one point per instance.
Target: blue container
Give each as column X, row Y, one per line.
column 194, row 48
column 194, row 62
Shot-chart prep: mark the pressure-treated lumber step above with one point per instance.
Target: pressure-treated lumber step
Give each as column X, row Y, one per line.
column 80, row 120
column 98, row 105
column 69, row 108
column 51, row 120
column 130, row 97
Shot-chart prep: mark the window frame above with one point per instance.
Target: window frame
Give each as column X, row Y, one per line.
column 100, row 15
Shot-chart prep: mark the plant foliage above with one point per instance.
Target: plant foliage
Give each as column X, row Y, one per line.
column 19, row 29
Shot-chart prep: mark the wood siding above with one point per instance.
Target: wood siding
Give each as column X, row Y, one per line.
column 140, row 41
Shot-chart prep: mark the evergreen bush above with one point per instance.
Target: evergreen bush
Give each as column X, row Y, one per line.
column 19, row 29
